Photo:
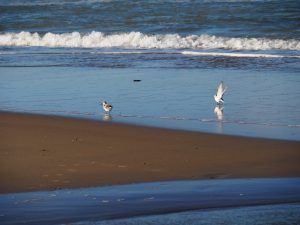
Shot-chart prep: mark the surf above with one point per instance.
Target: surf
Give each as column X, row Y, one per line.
column 138, row 40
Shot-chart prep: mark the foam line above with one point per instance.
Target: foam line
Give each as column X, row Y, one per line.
column 246, row 55
column 137, row 40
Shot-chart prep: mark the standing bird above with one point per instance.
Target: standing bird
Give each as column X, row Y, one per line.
column 106, row 107
column 220, row 92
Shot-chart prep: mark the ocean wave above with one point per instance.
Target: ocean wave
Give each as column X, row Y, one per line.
column 137, row 40
column 240, row 55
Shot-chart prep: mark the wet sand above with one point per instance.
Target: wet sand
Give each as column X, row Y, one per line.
column 47, row 152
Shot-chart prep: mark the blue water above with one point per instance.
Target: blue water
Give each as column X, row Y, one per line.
column 229, row 201
column 62, row 57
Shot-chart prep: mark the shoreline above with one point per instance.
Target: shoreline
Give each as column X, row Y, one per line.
column 40, row 152
column 158, row 199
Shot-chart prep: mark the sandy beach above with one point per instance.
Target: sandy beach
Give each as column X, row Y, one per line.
column 47, row 152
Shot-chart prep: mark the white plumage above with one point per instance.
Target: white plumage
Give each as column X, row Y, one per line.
column 106, row 107
column 220, row 93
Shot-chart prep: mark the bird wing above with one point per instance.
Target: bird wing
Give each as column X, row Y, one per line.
column 221, row 90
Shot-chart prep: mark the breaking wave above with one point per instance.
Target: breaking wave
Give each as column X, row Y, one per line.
column 137, row 40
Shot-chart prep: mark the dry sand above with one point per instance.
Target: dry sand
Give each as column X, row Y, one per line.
column 45, row 153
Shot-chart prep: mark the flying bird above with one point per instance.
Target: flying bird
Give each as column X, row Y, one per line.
column 220, row 92
column 106, row 107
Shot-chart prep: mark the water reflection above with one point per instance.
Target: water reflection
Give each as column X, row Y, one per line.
column 219, row 111
column 107, row 117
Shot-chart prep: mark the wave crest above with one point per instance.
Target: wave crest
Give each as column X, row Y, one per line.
column 137, row 40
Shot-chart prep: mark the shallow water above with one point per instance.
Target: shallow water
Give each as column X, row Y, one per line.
column 284, row 214
column 179, row 99
column 272, row 201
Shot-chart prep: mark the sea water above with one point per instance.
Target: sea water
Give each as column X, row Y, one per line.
column 223, row 201
column 157, row 62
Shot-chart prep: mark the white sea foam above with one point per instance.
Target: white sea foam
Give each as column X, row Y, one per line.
column 118, row 53
column 240, row 55
column 137, row 40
